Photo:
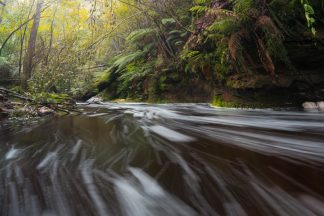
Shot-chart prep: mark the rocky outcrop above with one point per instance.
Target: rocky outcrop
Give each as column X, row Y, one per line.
column 95, row 100
column 304, row 81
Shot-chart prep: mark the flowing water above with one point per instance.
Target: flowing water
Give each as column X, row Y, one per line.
column 179, row 159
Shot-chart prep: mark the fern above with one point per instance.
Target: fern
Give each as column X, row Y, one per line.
column 244, row 8
column 201, row 1
column 168, row 21
column 139, row 34
column 174, row 38
column 189, row 54
column 225, row 26
column 121, row 62
column 134, row 72
column 198, row 10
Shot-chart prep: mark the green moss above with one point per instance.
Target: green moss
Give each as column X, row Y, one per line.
column 219, row 102
column 51, row 98
column 234, row 102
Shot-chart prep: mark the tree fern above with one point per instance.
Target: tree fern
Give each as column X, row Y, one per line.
column 135, row 72
column 121, row 62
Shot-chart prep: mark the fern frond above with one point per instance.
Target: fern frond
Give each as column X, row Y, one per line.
column 244, row 8
column 201, row 1
column 168, row 21
column 139, row 34
column 198, row 9
column 265, row 57
column 225, row 26
column 123, row 61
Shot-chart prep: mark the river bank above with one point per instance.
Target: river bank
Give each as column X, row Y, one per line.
column 290, row 89
column 16, row 105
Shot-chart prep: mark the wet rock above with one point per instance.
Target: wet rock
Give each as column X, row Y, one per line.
column 314, row 106
column 26, row 111
column 310, row 105
column 45, row 111
column 15, row 103
column 320, row 105
column 2, row 97
column 3, row 113
column 8, row 105
column 95, row 100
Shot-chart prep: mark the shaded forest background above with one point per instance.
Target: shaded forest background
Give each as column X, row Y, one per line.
column 226, row 51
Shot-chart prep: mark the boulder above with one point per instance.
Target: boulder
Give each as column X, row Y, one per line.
column 314, row 106
column 95, row 100
column 310, row 105
column 320, row 105
column 45, row 111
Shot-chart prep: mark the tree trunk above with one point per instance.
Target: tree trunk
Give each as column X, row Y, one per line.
column 28, row 60
column 51, row 36
column 22, row 40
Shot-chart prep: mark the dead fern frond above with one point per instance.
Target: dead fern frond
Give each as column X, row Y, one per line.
column 266, row 23
column 265, row 57
column 221, row 13
column 234, row 44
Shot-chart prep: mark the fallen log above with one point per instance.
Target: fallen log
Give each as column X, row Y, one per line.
column 6, row 94
column 9, row 81
column 14, row 94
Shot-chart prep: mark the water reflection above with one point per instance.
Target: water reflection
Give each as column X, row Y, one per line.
column 185, row 159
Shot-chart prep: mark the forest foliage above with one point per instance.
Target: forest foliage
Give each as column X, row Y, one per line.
column 139, row 49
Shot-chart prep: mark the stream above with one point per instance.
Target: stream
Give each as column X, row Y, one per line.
column 159, row 160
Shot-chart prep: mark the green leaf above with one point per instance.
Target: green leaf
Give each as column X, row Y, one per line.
column 168, row 21
column 309, row 9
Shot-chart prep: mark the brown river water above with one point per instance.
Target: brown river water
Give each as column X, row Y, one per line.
column 159, row 160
